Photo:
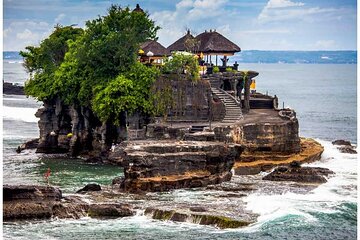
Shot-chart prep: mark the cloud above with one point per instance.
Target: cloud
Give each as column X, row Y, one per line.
column 21, row 33
column 27, row 35
column 60, row 17
column 283, row 4
column 325, row 44
column 281, row 10
column 187, row 13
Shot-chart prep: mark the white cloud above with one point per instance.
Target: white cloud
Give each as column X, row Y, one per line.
column 27, row 35
column 282, row 4
column 187, row 13
column 325, row 44
column 22, row 33
column 267, row 31
column 60, row 17
column 281, row 10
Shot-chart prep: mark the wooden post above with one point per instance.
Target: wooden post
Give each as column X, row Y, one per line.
column 216, row 60
column 247, row 95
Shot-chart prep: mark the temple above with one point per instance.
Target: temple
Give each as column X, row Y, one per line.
column 213, row 125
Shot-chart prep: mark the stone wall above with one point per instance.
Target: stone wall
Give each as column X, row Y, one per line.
column 190, row 99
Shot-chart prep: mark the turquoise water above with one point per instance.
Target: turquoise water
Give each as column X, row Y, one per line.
column 324, row 97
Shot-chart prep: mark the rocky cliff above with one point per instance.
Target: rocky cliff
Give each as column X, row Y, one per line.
column 73, row 129
column 166, row 165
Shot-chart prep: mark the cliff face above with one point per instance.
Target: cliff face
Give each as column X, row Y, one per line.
column 75, row 129
column 72, row 129
column 165, row 165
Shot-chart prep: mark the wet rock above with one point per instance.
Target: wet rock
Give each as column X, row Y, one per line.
column 29, row 202
column 30, row 192
column 19, row 210
column 70, row 207
column 251, row 163
column 237, row 188
column 117, row 181
column 90, row 187
column 13, row 89
column 197, row 209
column 299, row 174
column 341, row 142
column 166, row 165
column 198, row 218
column 110, row 210
column 97, row 159
column 347, row 149
column 32, row 144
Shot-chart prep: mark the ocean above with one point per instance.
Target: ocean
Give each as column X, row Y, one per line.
column 324, row 97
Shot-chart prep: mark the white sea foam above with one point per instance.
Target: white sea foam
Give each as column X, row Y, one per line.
column 339, row 189
column 19, row 113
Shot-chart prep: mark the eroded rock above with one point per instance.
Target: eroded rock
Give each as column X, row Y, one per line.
column 110, row 210
column 299, row 174
column 167, row 165
column 193, row 217
column 90, row 187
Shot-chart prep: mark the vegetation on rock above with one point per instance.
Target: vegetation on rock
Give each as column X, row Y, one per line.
column 183, row 64
column 95, row 67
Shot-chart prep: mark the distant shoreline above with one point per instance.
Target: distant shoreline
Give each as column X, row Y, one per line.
column 263, row 57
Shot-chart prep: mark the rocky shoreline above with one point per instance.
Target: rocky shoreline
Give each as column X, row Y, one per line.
column 13, row 89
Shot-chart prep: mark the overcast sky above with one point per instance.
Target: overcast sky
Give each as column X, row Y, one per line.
column 252, row 24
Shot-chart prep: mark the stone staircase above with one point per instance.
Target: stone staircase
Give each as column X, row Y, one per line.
column 233, row 111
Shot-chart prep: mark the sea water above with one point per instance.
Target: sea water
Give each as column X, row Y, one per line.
column 324, row 97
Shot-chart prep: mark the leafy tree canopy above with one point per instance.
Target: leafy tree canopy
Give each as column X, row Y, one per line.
column 95, row 67
column 41, row 62
column 183, row 64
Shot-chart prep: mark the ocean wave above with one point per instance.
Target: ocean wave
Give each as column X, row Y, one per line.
column 326, row 198
column 20, row 114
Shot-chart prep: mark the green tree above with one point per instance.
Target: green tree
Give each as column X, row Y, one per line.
column 42, row 61
column 183, row 64
column 95, row 67
column 107, row 49
column 128, row 92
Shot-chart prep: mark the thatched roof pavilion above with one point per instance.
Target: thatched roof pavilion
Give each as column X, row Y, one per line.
column 156, row 48
column 138, row 9
column 183, row 44
column 213, row 43
column 153, row 52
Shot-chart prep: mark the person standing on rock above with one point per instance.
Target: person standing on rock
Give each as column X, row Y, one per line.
column 47, row 176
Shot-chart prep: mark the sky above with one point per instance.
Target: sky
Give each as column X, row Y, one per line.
column 251, row 24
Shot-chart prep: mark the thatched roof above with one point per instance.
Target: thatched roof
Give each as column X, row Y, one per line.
column 180, row 44
column 138, row 9
column 214, row 42
column 156, row 48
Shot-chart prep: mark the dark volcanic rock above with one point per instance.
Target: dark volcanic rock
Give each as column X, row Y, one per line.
column 32, row 144
column 198, row 209
column 110, row 210
column 167, row 165
column 29, row 202
column 341, row 142
column 117, row 180
column 27, row 210
column 90, row 188
column 27, row 192
column 9, row 88
column 299, row 174
column 345, row 146
column 347, row 149
column 199, row 218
